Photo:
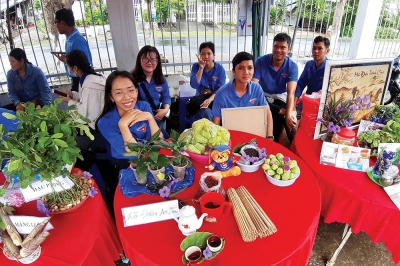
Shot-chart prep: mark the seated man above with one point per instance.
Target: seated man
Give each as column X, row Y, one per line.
column 277, row 75
column 313, row 73
column 241, row 91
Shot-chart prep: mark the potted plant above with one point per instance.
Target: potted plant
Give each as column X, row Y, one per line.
column 179, row 162
column 43, row 143
column 147, row 158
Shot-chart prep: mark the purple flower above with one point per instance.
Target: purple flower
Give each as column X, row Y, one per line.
column 286, row 167
column 358, row 99
column 253, row 143
column 207, row 253
column 368, row 105
column 337, row 129
column 254, row 160
column 174, row 180
column 87, row 174
column 92, row 192
column 245, row 158
column 320, row 119
column 352, row 109
column 331, row 127
column 42, row 208
column 164, row 192
column 366, row 99
column 286, row 159
column 16, row 199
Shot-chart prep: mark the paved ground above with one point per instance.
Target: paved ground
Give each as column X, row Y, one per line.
column 358, row 251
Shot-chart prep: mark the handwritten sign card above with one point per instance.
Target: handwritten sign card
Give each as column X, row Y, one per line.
column 150, row 213
column 39, row 189
column 25, row 224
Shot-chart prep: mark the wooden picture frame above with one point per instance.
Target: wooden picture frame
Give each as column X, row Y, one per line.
column 252, row 119
column 348, row 79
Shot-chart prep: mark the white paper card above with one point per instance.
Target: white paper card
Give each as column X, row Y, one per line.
column 39, row 189
column 150, row 213
column 394, row 194
column 388, row 147
column 368, row 125
column 25, row 224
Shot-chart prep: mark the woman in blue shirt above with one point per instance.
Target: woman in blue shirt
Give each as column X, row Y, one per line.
column 207, row 76
column 148, row 73
column 26, row 82
column 124, row 118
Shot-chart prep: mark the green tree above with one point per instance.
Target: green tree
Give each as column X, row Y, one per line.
column 165, row 7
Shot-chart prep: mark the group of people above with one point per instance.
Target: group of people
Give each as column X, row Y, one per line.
column 131, row 106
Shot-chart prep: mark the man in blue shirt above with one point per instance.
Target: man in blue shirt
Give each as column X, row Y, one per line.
column 313, row 73
column 241, row 92
column 65, row 23
column 277, row 75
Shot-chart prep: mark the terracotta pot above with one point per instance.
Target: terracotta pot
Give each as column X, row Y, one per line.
column 179, row 171
column 155, row 172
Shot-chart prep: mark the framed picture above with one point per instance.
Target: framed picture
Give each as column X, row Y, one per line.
column 350, row 79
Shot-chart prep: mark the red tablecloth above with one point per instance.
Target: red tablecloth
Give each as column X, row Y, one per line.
column 351, row 197
column 295, row 211
column 85, row 236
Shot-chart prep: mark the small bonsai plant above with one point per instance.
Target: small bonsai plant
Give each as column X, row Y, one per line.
column 177, row 146
column 43, row 143
column 371, row 138
column 146, row 154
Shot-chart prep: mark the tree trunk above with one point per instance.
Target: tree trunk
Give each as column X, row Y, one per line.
column 337, row 21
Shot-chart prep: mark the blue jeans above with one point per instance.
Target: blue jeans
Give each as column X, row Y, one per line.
column 204, row 113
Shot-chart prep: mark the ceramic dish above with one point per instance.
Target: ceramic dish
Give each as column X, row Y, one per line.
column 250, row 168
column 281, row 183
column 198, row 239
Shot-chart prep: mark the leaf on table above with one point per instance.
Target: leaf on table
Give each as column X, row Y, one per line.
column 197, row 239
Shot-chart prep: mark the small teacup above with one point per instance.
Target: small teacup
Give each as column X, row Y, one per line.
column 193, row 254
column 214, row 243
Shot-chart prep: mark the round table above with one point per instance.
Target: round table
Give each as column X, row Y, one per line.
column 84, row 236
column 351, row 197
column 294, row 210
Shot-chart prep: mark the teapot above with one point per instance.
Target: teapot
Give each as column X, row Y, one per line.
column 187, row 221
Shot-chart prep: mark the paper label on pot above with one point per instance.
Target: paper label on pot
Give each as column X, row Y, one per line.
column 25, row 224
column 39, row 189
column 149, row 213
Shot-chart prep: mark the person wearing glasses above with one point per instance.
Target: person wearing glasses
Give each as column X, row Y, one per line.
column 26, row 82
column 65, row 23
column 125, row 118
column 207, row 76
column 153, row 86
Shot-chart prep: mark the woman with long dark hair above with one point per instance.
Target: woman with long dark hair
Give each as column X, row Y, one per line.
column 26, row 82
column 90, row 98
column 125, row 118
column 153, row 86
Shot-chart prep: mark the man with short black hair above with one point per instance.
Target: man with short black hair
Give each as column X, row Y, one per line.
column 277, row 75
column 65, row 23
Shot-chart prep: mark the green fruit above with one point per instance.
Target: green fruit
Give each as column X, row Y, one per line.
column 279, row 171
column 292, row 163
column 278, row 177
column 271, row 172
column 286, row 176
column 266, row 166
column 279, row 156
column 295, row 170
column 292, row 176
column 274, row 166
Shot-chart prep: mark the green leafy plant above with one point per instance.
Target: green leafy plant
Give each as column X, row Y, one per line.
column 393, row 129
column 177, row 146
column 43, row 143
column 146, row 154
column 371, row 138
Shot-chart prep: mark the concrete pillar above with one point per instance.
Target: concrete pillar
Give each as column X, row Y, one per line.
column 362, row 42
column 121, row 16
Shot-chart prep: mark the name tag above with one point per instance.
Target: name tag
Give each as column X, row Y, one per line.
column 25, row 224
column 39, row 189
column 150, row 213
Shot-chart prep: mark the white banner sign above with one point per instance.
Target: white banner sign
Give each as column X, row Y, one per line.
column 150, row 213
column 39, row 189
column 25, row 224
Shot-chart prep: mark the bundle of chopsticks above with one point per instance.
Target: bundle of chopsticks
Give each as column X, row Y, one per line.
column 250, row 217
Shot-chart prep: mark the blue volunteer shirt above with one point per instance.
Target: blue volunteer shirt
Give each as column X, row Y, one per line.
column 32, row 87
column 311, row 77
column 272, row 81
column 159, row 92
column 227, row 97
column 75, row 41
column 108, row 126
column 212, row 79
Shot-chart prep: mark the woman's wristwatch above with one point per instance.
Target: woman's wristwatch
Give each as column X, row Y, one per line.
column 270, row 137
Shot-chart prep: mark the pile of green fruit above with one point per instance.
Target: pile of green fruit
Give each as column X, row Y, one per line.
column 281, row 167
column 204, row 135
